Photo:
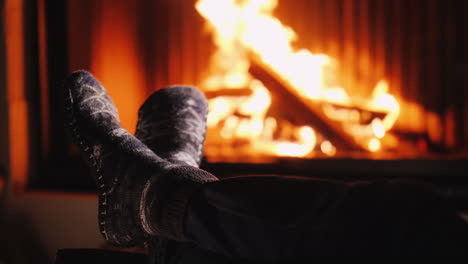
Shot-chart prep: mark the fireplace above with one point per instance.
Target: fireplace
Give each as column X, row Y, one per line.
column 343, row 88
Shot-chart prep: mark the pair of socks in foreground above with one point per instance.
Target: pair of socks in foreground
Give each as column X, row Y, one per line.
column 144, row 181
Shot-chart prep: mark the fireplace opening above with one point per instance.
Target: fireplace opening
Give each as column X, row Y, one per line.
column 340, row 87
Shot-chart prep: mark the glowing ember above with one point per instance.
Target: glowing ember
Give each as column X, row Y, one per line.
column 243, row 29
column 374, row 145
column 304, row 145
column 378, row 128
column 327, row 148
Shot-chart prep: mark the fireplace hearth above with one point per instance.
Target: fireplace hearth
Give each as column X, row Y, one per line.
column 384, row 91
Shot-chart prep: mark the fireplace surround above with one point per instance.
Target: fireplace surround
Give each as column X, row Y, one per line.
column 136, row 47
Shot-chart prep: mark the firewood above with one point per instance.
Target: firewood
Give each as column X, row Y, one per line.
column 307, row 110
column 228, row 92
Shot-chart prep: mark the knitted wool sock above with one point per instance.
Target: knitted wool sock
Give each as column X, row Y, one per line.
column 140, row 194
column 172, row 123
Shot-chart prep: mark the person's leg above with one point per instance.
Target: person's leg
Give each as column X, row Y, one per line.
column 274, row 219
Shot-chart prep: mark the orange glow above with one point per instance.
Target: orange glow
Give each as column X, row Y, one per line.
column 305, row 145
column 336, row 95
column 378, row 128
column 229, row 127
column 382, row 100
column 327, row 148
column 16, row 96
column 115, row 61
column 246, row 29
column 258, row 102
column 374, row 145
column 301, row 148
column 220, row 108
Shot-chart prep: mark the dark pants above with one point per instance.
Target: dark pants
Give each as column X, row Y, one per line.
column 272, row 219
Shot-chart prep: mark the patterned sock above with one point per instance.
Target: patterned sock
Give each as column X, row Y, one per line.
column 172, row 123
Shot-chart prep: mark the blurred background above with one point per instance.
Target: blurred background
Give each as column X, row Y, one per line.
column 417, row 47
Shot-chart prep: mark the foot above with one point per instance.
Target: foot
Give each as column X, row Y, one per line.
column 121, row 163
column 172, row 123
column 140, row 194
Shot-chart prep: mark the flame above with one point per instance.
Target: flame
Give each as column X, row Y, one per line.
column 259, row 102
column 384, row 101
column 327, row 148
column 378, row 128
column 374, row 145
column 304, row 145
column 243, row 28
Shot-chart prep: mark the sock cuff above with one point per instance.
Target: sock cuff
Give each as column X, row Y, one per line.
column 166, row 199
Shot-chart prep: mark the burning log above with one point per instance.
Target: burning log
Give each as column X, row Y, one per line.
column 228, row 92
column 365, row 115
column 308, row 111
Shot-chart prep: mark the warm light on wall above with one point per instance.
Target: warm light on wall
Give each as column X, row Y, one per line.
column 115, row 61
column 16, row 96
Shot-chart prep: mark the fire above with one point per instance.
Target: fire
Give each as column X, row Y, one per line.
column 247, row 29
